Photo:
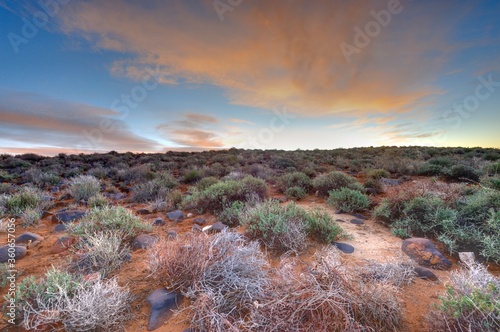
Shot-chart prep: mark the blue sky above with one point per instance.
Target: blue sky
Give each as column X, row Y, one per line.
column 154, row 76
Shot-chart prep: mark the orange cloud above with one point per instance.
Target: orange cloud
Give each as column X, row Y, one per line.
column 270, row 53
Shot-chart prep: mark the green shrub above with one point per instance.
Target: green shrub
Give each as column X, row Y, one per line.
column 442, row 161
column 205, row 183
column 191, row 176
column 378, row 174
column 490, row 241
column 494, row 169
column 471, row 302
column 374, row 184
column 231, row 214
column 460, row 172
column 97, row 201
column 219, row 195
column 348, row 200
column 283, row 163
column 335, row 180
column 295, row 192
column 25, row 199
column 158, row 187
column 83, row 187
column 110, row 218
column 490, row 182
column 474, row 209
column 101, row 252
column 280, row 228
column 430, row 169
column 294, row 179
column 322, row 227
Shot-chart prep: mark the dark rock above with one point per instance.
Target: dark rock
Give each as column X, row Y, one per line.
column 218, row 226
column 18, row 252
column 62, row 244
column 119, row 196
column 424, row 273
column 340, row 220
column 143, row 211
column 340, row 211
column 161, row 303
column 200, row 220
column 425, row 253
column 391, row 182
column 172, row 234
column 142, row 241
column 176, row 215
column 60, row 228
column 29, row 237
column 344, row 247
column 67, row 216
column 359, row 216
column 371, row 191
column 356, row 221
column 196, row 228
column 159, row 222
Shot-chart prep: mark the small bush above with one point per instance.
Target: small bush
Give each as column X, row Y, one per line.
column 110, row 218
column 26, row 199
column 461, row 172
column 335, row 180
column 322, row 227
column 348, row 200
column 191, row 176
column 30, row 217
column 374, row 184
column 97, row 201
column 294, row 179
column 231, row 214
column 378, row 174
column 83, row 187
column 219, row 195
column 64, row 299
column 295, row 193
column 281, row 228
column 205, row 183
column 102, row 252
column 157, row 188
column 471, row 302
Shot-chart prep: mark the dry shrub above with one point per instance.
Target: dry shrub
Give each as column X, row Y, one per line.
column 181, row 261
column 471, row 302
column 396, row 273
column 326, row 299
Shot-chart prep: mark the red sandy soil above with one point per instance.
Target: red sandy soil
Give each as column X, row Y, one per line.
column 372, row 241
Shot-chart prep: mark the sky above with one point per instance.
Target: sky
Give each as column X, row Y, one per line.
column 153, row 76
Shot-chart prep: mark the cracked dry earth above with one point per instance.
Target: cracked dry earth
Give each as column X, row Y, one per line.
column 371, row 240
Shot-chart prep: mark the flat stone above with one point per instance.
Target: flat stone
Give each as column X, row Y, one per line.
column 340, row 220
column 468, row 258
column 172, row 234
column 67, row 216
column 359, row 216
column 199, row 220
column 143, row 211
column 60, row 228
column 17, row 251
column 62, row 244
column 28, row 237
column 218, row 226
column 424, row 273
column 176, row 215
column 425, row 253
column 159, row 222
column 344, row 247
column 143, row 241
column 357, row 221
column 161, row 303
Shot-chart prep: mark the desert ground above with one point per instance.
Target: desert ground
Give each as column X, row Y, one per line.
column 248, row 240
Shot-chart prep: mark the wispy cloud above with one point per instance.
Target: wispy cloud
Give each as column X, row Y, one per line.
column 58, row 124
column 267, row 54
